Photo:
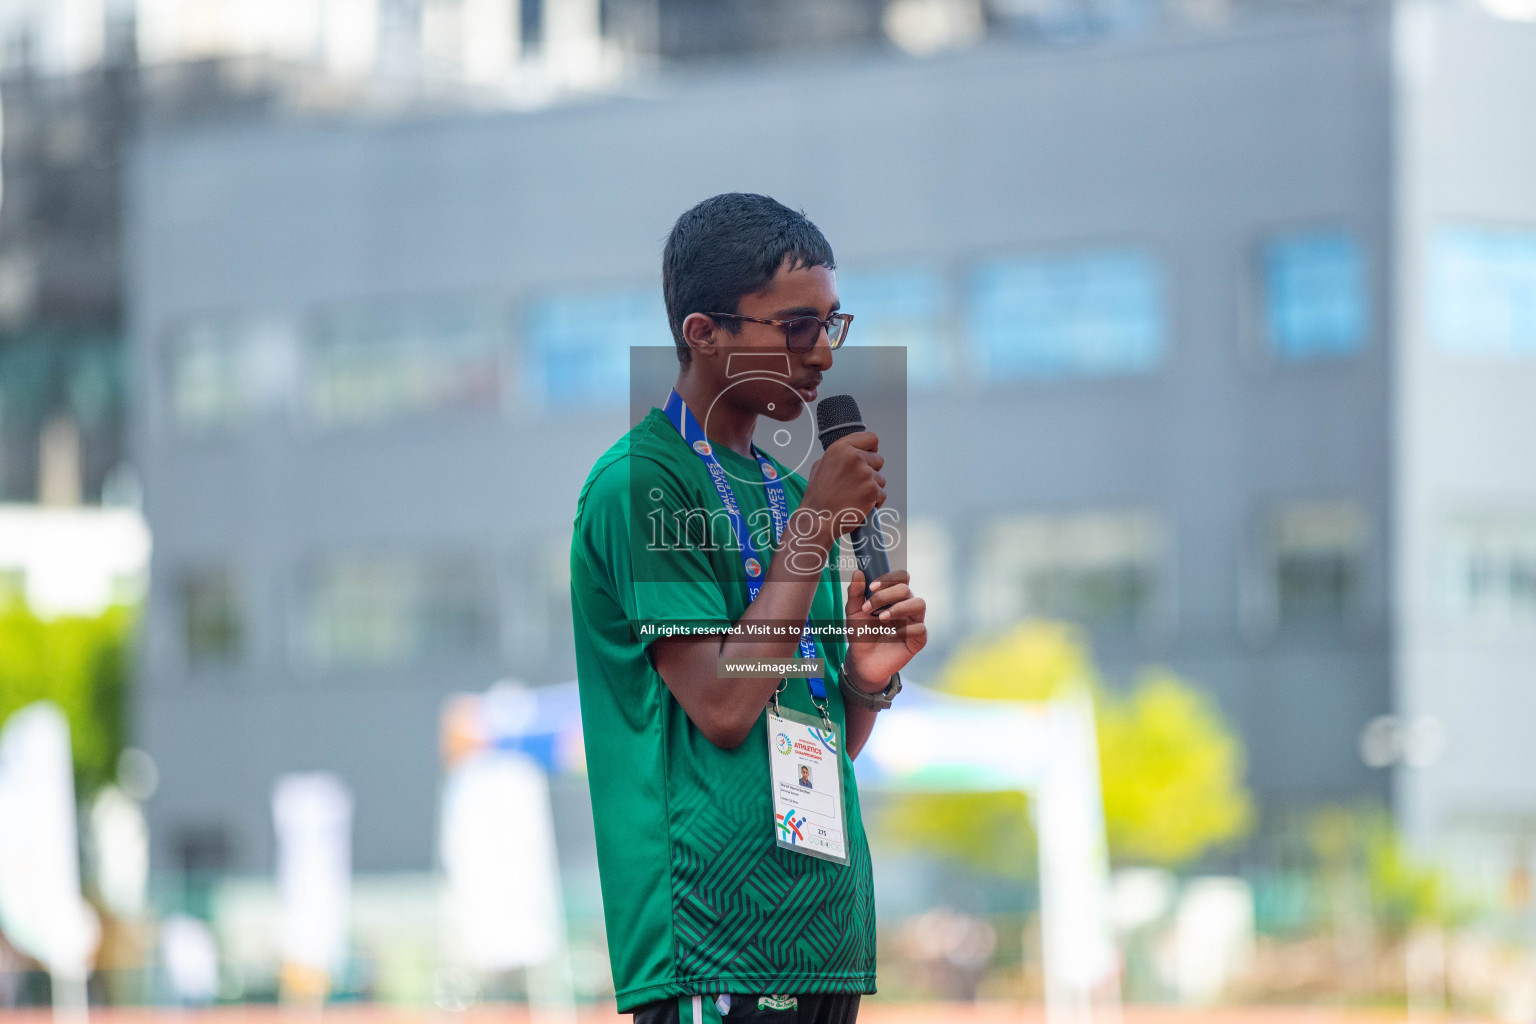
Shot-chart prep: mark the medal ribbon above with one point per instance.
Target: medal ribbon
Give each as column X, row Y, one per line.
column 683, row 419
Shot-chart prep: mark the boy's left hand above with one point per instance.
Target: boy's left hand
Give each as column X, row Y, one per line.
column 887, row 601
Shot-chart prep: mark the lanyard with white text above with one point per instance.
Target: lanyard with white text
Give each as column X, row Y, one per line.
column 778, row 506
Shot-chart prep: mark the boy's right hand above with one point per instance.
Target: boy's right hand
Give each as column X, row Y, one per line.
column 845, row 484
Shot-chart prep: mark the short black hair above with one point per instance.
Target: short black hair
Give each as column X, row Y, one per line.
column 728, row 246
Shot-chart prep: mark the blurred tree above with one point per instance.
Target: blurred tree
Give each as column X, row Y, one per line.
column 1032, row 661
column 1369, row 874
column 1172, row 772
column 1171, row 767
column 81, row 664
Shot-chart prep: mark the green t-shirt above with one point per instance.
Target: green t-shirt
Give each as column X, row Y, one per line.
column 698, row 897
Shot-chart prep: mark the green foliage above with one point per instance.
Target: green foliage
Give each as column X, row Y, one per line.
column 989, row 832
column 1034, row 661
column 1366, row 868
column 1171, row 768
column 81, row 664
column 1171, row 771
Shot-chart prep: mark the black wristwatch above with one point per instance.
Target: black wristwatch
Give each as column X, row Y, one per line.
column 873, row 701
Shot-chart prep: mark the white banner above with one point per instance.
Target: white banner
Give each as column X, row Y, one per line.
column 41, row 910
column 498, row 850
column 313, row 816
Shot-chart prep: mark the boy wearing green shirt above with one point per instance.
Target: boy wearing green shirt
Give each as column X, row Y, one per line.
column 735, row 870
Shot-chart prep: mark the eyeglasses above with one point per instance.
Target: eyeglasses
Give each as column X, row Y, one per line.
column 802, row 333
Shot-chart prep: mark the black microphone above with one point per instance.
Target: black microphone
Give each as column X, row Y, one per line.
column 837, row 416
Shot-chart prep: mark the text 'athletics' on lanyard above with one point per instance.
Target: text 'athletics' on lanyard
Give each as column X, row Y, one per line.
column 778, row 506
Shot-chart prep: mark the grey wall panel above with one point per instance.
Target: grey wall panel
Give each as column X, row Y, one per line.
column 1193, row 146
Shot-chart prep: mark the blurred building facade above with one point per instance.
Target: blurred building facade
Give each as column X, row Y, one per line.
column 61, row 357
column 1217, row 344
column 79, row 78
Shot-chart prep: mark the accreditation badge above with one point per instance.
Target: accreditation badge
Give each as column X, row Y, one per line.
column 804, row 756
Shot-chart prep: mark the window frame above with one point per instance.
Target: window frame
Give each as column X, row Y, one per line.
column 1260, row 616
column 1156, row 624
column 482, row 307
column 236, row 589
column 307, row 652
column 1430, row 312
column 531, row 387
column 1457, row 613
column 949, row 335
column 975, row 365
column 1253, row 293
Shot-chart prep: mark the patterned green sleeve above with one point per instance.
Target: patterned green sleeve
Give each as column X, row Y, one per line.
column 627, row 536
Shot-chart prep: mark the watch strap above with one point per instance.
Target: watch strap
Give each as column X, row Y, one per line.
column 878, row 701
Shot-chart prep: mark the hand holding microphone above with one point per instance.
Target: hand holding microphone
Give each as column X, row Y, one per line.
column 844, row 485
column 875, row 594
column 841, row 428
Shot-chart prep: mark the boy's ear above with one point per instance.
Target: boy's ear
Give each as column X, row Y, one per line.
column 699, row 334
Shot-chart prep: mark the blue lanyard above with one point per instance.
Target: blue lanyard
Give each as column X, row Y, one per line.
column 778, row 506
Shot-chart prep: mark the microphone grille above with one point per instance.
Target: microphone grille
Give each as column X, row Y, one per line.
column 837, row 416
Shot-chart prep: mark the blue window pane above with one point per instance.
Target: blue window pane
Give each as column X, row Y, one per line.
column 576, row 347
column 1071, row 315
column 376, row 362
column 1482, row 291
column 900, row 307
column 1315, row 290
